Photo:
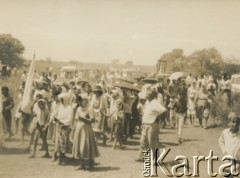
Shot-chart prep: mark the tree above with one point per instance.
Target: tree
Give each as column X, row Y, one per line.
column 206, row 60
column 115, row 62
column 129, row 63
column 11, row 50
column 175, row 60
column 48, row 60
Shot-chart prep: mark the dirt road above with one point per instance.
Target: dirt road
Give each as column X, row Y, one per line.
column 14, row 161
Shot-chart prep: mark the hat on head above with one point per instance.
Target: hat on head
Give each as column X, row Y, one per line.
column 83, row 96
column 115, row 92
column 119, row 100
column 97, row 88
column 66, row 97
column 72, row 82
column 142, row 95
column 40, row 81
column 147, row 88
column 41, row 101
column 135, row 84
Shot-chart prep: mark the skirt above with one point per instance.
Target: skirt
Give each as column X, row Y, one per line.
column 62, row 142
column 52, row 131
column 100, row 124
column 84, row 143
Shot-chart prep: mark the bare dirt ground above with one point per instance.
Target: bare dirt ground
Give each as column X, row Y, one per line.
column 15, row 162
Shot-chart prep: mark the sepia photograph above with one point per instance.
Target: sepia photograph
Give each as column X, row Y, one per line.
column 119, row 88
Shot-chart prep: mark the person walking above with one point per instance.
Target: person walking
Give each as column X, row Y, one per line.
column 150, row 124
column 7, row 106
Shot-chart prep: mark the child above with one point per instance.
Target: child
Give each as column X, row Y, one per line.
column 63, row 118
column 117, row 124
column 229, row 140
column 84, row 144
column 32, row 128
column 99, row 110
column 18, row 114
column 7, row 106
column 113, row 107
column 191, row 111
column 140, row 107
column 41, row 117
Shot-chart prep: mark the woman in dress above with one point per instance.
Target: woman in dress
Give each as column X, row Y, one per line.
column 84, row 144
column 117, row 124
column 191, row 108
column 63, row 119
column 99, row 110
column 202, row 105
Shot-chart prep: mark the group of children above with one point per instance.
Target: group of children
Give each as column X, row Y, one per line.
column 70, row 130
column 73, row 121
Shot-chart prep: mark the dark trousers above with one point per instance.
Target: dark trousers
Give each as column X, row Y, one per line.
column 43, row 134
column 7, row 116
column 126, row 125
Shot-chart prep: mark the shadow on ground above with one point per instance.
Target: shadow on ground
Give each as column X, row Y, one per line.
column 189, row 140
column 166, row 144
column 104, row 169
column 13, row 151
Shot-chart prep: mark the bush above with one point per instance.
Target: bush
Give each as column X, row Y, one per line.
column 220, row 109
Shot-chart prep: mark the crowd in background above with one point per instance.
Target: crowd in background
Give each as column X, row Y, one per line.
column 88, row 110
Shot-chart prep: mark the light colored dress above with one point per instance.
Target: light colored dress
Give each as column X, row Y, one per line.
column 84, row 144
column 52, row 125
column 202, row 100
column 191, row 107
column 98, row 107
column 64, row 115
column 192, row 92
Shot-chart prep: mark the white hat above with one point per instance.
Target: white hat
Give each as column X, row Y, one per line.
column 147, row 88
column 83, row 96
column 142, row 95
column 66, row 97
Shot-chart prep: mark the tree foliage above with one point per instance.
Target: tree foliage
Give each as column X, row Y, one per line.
column 207, row 61
column 176, row 60
column 11, row 50
column 75, row 62
column 129, row 63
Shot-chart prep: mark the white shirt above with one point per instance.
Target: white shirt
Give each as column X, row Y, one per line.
column 24, row 77
column 226, row 85
column 192, row 91
column 160, row 98
column 151, row 111
column 65, row 114
column 230, row 143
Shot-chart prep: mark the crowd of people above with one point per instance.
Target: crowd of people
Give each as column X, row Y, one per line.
column 79, row 115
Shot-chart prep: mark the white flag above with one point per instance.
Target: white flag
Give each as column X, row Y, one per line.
column 27, row 94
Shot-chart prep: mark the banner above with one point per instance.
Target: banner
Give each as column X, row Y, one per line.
column 27, row 94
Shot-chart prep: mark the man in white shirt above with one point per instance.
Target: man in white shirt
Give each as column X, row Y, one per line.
column 150, row 127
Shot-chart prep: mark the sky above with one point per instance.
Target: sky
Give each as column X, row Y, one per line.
column 137, row 30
